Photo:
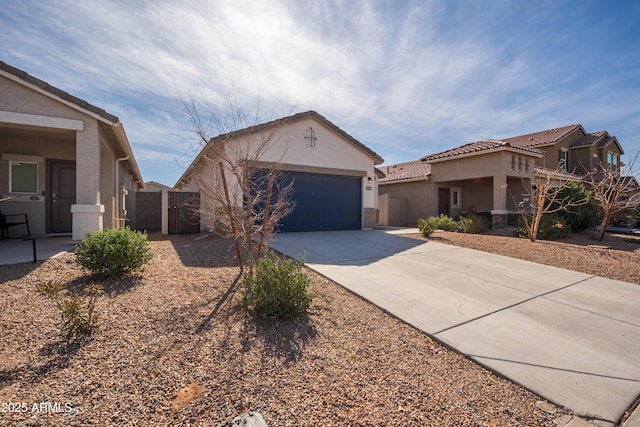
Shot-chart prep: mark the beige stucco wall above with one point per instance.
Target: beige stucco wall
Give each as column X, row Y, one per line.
column 412, row 201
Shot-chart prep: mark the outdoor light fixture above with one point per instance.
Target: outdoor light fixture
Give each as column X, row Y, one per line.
column 369, row 179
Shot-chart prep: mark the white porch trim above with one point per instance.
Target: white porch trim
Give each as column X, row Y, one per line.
column 10, row 117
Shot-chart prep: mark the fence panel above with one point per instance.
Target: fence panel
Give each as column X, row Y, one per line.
column 184, row 215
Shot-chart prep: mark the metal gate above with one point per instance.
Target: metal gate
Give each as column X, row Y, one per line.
column 184, row 212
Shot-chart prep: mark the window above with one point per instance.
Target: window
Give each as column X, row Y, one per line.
column 612, row 160
column 594, row 162
column 563, row 162
column 456, row 201
column 513, row 162
column 23, row 177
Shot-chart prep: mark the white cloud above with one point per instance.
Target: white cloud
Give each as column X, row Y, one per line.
column 405, row 78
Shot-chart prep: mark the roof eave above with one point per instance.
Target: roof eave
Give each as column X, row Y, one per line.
column 481, row 152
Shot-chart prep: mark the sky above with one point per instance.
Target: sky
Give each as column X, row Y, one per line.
column 405, row 78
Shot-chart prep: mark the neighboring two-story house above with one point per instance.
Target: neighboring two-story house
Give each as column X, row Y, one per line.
column 490, row 176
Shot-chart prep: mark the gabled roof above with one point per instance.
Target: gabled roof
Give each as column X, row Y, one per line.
column 598, row 139
column 408, row 171
column 476, row 148
column 545, row 137
column 111, row 121
column 59, row 93
column 592, row 138
column 278, row 122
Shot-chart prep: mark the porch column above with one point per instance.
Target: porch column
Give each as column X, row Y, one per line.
column 499, row 213
column 87, row 212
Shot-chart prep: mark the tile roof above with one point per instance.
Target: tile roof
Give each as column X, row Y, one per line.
column 406, row 171
column 544, row 137
column 557, row 173
column 590, row 139
column 23, row 75
column 475, row 147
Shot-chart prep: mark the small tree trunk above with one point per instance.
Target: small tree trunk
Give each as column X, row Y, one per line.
column 267, row 205
column 232, row 218
column 604, row 224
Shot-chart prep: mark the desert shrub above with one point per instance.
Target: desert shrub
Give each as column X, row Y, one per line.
column 552, row 227
column 277, row 287
column 443, row 222
column 433, row 223
column 473, row 224
column 114, row 252
column 581, row 217
column 426, row 227
column 78, row 315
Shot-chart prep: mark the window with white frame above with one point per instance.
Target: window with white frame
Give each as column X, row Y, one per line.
column 563, row 162
column 456, row 198
column 23, row 177
column 612, row 160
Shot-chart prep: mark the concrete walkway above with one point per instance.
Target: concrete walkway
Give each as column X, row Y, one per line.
column 570, row 337
column 16, row 251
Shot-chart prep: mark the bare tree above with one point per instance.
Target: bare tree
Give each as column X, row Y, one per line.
column 244, row 193
column 616, row 190
column 546, row 197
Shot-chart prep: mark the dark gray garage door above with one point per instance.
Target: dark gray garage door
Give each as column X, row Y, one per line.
column 324, row 202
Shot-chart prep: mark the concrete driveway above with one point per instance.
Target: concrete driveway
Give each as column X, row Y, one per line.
column 570, row 337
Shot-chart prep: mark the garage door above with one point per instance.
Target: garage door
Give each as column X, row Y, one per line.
column 324, row 202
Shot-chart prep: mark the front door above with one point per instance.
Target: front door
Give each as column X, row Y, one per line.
column 62, row 194
column 443, row 201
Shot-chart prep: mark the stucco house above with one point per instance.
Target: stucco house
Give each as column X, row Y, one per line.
column 66, row 163
column 486, row 176
column 335, row 179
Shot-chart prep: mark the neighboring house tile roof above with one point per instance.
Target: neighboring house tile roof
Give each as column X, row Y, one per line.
column 590, row 139
column 475, row 148
column 545, row 137
column 23, row 75
column 407, row 171
column 557, row 173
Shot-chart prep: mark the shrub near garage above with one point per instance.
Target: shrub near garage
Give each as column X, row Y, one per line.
column 114, row 252
column 277, row 287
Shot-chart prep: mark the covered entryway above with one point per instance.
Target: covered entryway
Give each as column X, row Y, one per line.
column 324, row 202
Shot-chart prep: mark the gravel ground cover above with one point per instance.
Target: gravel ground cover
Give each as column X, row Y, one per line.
column 181, row 323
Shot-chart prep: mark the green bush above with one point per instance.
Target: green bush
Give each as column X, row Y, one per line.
column 581, row 217
column 79, row 317
column 473, row 224
column 443, row 222
column 552, row 227
column 114, row 252
column 426, row 227
column 277, row 287
column 433, row 223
